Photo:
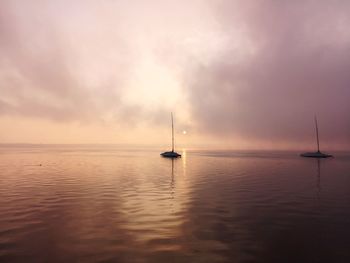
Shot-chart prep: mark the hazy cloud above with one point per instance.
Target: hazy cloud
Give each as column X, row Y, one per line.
column 250, row 69
column 294, row 65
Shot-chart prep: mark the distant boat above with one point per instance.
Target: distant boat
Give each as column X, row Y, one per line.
column 317, row 154
column 171, row 154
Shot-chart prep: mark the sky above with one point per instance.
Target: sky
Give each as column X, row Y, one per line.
column 236, row 74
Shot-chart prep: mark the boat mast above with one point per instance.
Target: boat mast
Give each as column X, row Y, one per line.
column 318, row 142
column 172, row 132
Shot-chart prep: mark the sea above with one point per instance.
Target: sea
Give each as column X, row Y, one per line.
column 112, row 203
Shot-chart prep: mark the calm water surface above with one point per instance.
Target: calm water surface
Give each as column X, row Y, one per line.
column 107, row 204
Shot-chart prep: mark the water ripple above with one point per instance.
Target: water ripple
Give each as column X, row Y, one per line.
column 112, row 205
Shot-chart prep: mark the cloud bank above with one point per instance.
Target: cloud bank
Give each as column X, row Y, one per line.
column 292, row 67
column 253, row 71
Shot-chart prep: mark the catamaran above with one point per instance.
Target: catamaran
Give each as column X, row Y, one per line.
column 317, row 154
column 171, row 154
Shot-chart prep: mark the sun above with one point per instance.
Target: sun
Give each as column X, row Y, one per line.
column 184, row 132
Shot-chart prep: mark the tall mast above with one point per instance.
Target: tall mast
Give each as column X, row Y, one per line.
column 318, row 142
column 172, row 131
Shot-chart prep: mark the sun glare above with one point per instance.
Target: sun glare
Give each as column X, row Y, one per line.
column 153, row 84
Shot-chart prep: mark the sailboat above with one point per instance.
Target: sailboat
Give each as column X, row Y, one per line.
column 171, row 154
column 317, row 154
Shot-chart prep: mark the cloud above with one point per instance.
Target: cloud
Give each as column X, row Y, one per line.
column 231, row 69
column 292, row 66
column 47, row 63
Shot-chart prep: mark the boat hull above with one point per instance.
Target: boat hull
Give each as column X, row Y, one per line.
column 316, row 155
column 170, row 154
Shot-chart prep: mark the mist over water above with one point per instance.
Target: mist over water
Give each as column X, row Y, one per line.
column 234, row 74
column 107, row 204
